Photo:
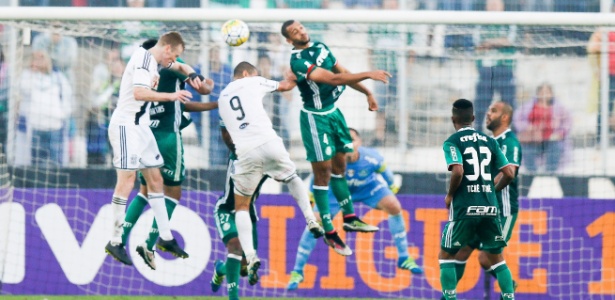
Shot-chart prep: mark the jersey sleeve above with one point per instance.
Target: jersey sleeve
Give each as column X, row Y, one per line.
column 499, row 158
column 452, row 155
column 267, row 85
column 142, row 76
column 512, row 150
column 331, row 56
column 302, row 68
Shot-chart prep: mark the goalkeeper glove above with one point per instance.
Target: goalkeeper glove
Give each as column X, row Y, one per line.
column 394, row 188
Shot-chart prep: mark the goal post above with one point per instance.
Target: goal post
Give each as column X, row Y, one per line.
column 560, row 247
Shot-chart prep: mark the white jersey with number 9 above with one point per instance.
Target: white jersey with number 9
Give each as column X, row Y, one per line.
column 241, row 109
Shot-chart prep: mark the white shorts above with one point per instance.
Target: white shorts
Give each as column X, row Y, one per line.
column 270, row 159
column 134, row 147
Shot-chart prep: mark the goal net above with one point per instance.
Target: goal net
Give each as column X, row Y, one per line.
column 61, row 178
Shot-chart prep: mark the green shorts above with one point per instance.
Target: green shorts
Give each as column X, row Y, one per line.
column 227, row 229
column 507, row 223
column 172, row 149
column 457, row 234
column 324, row 134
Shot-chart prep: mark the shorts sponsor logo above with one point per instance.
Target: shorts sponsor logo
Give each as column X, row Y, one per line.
column 157, row 156
column 133, row 159
column 457, row 244
column 477, row 210
column 499, row 238
column 226, row 226
column 244, row 125
column 328, row 150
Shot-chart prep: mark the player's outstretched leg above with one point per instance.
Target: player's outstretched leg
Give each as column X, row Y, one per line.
column 333, row 240
column 297, row 189
column 172, row 247
column 254, row 263
column 233, row 264
column 306, row 246
column 339, row 186
column 133, row 212
column 398, row 232
column 218, row 277
column 296, row 277
column 119, row 253
column 148, row 256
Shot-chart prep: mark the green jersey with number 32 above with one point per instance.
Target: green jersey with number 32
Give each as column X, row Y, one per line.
column 479, row 155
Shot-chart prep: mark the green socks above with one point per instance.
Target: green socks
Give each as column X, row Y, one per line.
column 133, row 212
column 233, row 265
column 322, row 202
column 502, row 273
column 460, row 268
column 339, row 185
column 153, row 233
column 448, row 279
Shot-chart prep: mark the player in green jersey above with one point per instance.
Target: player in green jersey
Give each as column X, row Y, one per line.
column 224, row 213
column 166, row 121
column 321, row 79
column 471, row 157
column 499, row 117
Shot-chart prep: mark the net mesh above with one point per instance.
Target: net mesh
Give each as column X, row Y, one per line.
column 432, row 66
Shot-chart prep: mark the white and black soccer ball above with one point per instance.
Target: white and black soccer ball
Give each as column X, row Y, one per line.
column 235, row 32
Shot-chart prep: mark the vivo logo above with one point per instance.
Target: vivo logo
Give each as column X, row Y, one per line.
column 82, row 261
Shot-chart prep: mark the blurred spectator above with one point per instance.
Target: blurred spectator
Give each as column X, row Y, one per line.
column 62, row 49
column 4, row 103
column 496, row 66
column 275, row 103
column 593, row 51
column 230, row 3
column 105, row 88
column 308, row 4
column 221, row 73
column 387, row 44
column 45, row 108
column 543, row 125
column 537, row 5
column 458, row 37
column 456, row 4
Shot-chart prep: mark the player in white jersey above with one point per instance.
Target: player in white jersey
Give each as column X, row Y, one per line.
column 260, row 151
column 133, row 143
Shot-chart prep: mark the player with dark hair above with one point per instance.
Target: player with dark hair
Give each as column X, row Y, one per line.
column 372, row 183
column 165, row 122
column 224, row 213
column 471, row 199
column 499, row 118
column 260, row 151
column 321, row 79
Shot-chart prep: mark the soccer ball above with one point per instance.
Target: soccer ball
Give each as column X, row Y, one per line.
column 235, row 32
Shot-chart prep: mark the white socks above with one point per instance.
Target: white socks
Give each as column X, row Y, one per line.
column 300, row 193
column 244, row 232
column 118, row 204
column 156, row 201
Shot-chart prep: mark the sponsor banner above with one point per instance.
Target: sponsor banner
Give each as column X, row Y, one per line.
column 53, row 241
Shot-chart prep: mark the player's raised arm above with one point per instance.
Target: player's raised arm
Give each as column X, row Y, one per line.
column 321, row 75
column 371, row 101
column 201, row 106
column 286, row 85
column 207, row 85
column 194, row 79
